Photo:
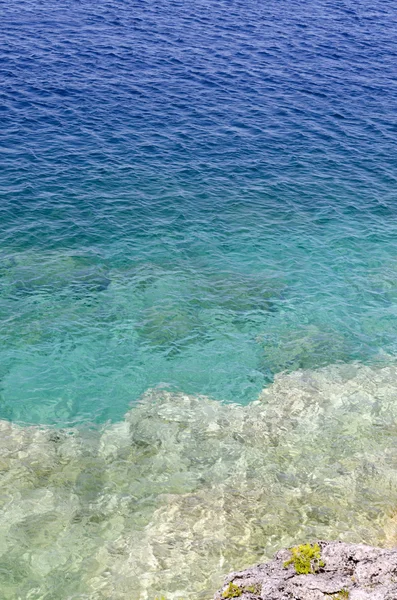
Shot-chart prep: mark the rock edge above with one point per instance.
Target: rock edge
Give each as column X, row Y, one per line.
column 351, row 572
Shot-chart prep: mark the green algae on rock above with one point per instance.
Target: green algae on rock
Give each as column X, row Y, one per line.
column 232, row 591
column 352, row 572
column 305, row 559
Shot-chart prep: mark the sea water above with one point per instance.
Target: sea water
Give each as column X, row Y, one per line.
column 198, row 288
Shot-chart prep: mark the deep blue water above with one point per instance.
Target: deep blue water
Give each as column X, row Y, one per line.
column 194, row 195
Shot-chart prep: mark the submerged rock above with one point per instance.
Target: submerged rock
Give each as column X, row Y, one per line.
column 335, row 571
column 186, row 488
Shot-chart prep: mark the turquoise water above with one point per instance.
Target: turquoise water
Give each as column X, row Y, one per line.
column 87, row 331
column 193, row 197
column 197, row 214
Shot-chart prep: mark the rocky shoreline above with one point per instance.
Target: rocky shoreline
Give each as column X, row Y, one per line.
column 318, row 571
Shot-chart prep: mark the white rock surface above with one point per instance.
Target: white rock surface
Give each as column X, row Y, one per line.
column 350, row 572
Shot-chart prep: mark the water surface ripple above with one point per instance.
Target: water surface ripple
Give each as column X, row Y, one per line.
column 198, row 198
column 194, row 194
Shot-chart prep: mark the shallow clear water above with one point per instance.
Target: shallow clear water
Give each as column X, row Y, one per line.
column 195, row 197
column 185, row 489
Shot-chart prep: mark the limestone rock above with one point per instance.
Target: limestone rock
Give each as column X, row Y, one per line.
column 350, row 572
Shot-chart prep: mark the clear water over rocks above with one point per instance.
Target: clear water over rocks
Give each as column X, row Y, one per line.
column 197, row 211
column 185, row 489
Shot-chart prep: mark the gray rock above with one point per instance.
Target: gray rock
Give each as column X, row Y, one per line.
column 350, row 572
